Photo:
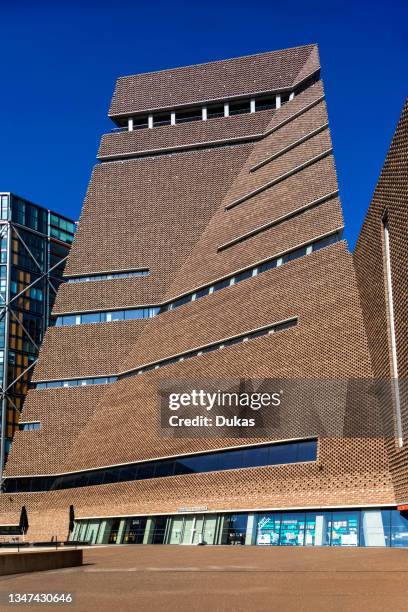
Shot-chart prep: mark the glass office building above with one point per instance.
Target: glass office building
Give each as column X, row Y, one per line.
column 34, row 246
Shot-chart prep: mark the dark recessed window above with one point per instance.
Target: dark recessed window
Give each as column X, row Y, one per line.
column 325, row 242
column 192, row 114
column 222, row 284
column 294, row 255
column 239, row 107
column 140, row 122
column 284, row 98
column 265, row 103
column 271, row 454
column 183, row 300
column 162, row 119
column 243, row 275
column 215, row 110
column 202, row 292
column 286, row 325
column 268, row 265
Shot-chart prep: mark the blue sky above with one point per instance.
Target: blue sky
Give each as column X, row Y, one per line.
column 59, row 62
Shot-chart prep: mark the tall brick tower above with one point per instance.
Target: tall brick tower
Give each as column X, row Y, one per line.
column 209, row 247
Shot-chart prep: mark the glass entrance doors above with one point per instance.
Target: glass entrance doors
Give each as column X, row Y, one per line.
column 196, row 529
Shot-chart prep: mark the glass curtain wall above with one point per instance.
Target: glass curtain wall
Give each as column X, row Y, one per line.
column 33, row 244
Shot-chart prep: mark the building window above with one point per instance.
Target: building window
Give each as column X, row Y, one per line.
column 216, row 461
column 140, row 122
column 192, row 114
column 162, row 119
column 238, row 107
column 108, row 276
column 29, row 426
column 265, row 103
column 215, row 110
column 76, row 382
column 252, row 335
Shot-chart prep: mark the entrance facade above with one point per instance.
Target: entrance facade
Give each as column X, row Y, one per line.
column 358, row 527
column 196, row 529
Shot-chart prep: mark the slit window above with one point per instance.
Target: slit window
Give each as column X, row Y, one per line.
column 162, row 119
column 140, row 122
column 215, row 110
column 239, row 107
column 192, row 114
column 266, row 103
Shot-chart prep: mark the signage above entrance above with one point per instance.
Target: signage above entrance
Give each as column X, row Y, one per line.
column 193, row 509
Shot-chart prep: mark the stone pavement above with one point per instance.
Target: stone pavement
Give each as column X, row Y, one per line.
column 224, row 579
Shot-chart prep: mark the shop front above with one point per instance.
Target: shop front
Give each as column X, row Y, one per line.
column 359, row 527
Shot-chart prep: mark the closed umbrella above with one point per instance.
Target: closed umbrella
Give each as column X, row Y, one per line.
column 71, row 524
column 23, row 525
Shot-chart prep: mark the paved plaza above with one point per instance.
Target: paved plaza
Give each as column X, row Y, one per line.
column 225, row 579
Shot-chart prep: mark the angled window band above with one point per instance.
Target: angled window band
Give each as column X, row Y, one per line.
column 280, row 178
column 289, row 147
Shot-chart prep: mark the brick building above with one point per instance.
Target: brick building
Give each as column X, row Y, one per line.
column 209, row 247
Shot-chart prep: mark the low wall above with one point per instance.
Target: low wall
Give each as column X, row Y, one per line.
column 27, row 561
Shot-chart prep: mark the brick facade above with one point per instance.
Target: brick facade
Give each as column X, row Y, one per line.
column 171, row 211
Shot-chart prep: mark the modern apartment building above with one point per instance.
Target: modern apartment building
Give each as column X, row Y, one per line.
column 210, row 247
column 34, row 244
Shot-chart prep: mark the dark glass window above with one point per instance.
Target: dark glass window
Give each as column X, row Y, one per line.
column 325, row 242
column 202, row 292
column 162, row 119
column 183, row 300
column 286, row 325
column 215, row 110
column 146, row 470
column 96, row 478
column 111, row 475
column 268, row 265
column 185, row 465
column 238, row 107
column 265, row 103
column 284, row 98
column 119, row 315
column 222, row 284
column 294, row 255
column 255, row 456
column 259, row 333
column 137, row 313
column 243, row 275
column 271, row 454
column 307, row 451
column 140, row 122
column 164, row 468
column 192, row 114
column 282, row 453
column 233, row 341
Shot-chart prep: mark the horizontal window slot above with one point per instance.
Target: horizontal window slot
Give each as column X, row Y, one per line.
column 279, row 179
column 29, row 426
column 214, row 346
column 279, row 220
column 104, row 317
column 291, row 146
column 107, row 276
column 278, row 453
column 76, row 382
